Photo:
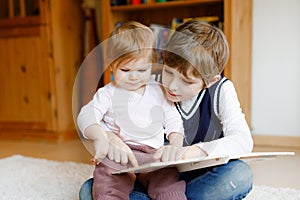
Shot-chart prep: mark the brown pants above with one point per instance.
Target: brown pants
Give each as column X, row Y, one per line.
column 162, row 184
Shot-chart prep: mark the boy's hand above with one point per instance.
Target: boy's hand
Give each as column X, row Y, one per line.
column 119, row 151
column 192, row 152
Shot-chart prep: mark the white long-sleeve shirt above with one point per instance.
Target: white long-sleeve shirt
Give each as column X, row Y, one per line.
column 138, row 119
column 237, row 136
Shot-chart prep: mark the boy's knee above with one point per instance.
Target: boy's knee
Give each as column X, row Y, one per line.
column 242, row 172
column 240, row 180
column 85, row 192
column 231, row 181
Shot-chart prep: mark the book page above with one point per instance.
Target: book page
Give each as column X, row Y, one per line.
column 198, row 163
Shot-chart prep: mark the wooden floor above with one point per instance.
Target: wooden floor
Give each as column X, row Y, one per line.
column 280, row 172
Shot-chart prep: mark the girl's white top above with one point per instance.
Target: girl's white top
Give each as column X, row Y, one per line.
column 138, row 119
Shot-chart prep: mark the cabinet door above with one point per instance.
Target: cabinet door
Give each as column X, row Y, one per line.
column 24, row 79
column 26, row 97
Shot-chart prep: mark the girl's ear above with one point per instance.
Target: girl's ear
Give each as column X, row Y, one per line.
column 215, row 79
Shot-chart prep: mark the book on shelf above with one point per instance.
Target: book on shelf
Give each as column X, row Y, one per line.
column 198, row 163
column 175, row 22
column 208, row 19
column 134, row 2
column 162, row 34
column 213, row 20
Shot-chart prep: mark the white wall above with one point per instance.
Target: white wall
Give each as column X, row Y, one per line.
column 276, row 67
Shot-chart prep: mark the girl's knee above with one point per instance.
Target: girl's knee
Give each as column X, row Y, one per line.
column 108, row 186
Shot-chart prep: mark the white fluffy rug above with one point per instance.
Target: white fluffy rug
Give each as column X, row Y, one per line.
column 269, row 193
column 24, row 178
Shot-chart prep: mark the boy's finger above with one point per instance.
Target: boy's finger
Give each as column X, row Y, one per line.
column 179, row 154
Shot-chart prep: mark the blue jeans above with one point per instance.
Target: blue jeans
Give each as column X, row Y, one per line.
column 231, row 181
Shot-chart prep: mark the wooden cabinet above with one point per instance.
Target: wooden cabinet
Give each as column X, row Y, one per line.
column 40, row 53
column 237, row 18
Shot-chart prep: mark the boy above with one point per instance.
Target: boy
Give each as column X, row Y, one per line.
column 214, row 123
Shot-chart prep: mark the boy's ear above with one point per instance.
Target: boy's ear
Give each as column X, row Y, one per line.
column 215, row 79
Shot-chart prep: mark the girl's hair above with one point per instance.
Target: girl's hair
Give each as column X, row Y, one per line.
column 200, row 46
column 130, row 41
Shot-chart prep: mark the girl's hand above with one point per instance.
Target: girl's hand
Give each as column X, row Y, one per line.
column 101, row 147
column 168, row 153
column 172, row 153
column 120, row 152
column 100, row 142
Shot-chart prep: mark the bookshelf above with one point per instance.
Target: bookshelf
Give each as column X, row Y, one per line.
column 235, row 14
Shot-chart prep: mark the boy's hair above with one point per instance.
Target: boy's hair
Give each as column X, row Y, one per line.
column 130, row 41
column 199, row 45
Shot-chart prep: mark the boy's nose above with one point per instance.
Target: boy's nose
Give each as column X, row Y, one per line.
column 173, row 85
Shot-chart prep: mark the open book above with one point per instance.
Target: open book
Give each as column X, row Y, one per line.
column 197, row 163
